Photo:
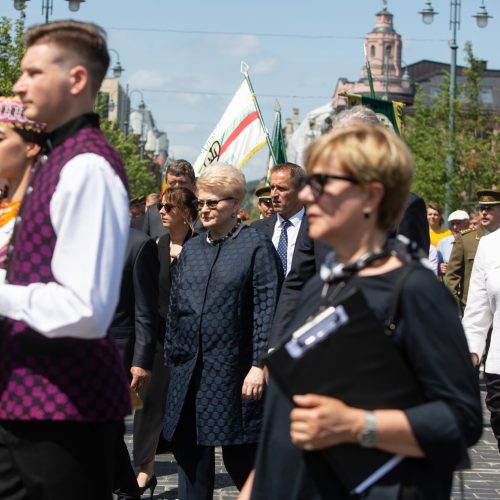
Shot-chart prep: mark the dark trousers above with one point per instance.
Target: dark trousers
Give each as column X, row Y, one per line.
column 197, row 463
column 124, row 482
column 148, row 421
column 493, row 403
column 57, row 460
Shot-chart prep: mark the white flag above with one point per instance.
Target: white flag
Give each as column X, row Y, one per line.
column 237, row 136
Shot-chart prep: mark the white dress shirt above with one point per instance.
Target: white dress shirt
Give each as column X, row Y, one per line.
column 483, row 302
column 89, row 214
column 292, row 232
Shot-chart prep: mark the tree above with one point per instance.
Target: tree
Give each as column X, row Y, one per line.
column 141, row 180
column 475, row 148
column 11, row 52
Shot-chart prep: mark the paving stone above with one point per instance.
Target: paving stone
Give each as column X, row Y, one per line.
column 480, row 482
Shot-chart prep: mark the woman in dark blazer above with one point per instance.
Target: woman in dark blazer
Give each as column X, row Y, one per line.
column 178, row 213
column 224, row 292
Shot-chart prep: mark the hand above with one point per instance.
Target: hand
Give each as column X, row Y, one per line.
column 474, row 358
column 253, row 385
column 320, row 422
column 266, row 375
column 443, row 267
column 140, row 377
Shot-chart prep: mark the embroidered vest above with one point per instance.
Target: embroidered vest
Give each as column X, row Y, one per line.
column 62, row 378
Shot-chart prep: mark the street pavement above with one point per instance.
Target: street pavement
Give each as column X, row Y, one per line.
column 482, row 481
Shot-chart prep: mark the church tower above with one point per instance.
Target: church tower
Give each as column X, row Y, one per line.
column 383, row 49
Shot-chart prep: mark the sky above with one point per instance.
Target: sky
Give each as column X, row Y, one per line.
column 184, row 57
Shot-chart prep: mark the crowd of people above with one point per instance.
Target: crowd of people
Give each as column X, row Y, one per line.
column 317, row 345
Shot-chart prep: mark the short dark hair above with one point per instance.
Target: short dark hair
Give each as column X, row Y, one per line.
column 184, row 199
column 31, row 136
column 86, row 41
column 181, row 167
column 297, row 173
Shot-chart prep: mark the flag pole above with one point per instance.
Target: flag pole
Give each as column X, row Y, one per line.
column 244, row 71
column 369, row 74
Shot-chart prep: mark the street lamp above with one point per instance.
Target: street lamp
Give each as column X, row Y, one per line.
column 428, row 13
column 74, row 5
column 117, row 69
column 47, row 6
column 482, row 17
column 405, row 79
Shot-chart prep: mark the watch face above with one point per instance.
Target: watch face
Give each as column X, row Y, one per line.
column 368, row 438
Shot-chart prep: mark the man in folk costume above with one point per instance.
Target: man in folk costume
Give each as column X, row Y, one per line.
column 63, row 390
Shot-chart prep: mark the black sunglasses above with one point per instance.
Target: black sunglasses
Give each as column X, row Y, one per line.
column 486, row 208
column 211, row 204
column 167, row 207
column 266, row 201
column 317, row 182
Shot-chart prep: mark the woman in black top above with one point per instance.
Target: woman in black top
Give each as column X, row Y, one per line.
column 358, row 181
column 178, row 213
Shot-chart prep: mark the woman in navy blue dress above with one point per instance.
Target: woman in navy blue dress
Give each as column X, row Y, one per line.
column 224, row 291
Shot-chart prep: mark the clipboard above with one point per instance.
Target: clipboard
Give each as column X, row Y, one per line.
column 355, row 361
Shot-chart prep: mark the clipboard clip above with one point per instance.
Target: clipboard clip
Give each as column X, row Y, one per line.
column 316, row 330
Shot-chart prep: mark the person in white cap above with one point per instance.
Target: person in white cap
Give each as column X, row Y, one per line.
column 459, row 221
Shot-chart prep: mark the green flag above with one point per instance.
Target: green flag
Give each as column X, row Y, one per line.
column 387, row 111
column 278, row 154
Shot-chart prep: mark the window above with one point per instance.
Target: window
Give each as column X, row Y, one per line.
column 486, row 95
column 372, row 51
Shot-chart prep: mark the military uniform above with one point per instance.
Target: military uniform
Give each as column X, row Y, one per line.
column 460, row 263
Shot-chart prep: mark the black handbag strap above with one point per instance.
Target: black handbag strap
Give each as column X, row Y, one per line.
column 393, row 316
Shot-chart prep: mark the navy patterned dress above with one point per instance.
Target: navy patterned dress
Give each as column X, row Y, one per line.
column 222, row 303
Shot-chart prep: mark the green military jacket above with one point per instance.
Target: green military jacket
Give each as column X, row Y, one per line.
column 460, row 263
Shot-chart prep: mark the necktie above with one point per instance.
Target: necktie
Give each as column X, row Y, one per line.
column 283, row 243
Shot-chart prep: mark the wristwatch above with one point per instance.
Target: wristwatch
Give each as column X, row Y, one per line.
column 368, row 436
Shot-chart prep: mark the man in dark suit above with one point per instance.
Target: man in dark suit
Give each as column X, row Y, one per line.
column 134, row 329
column 301, row 257
column 414, row 223
column 180, row 173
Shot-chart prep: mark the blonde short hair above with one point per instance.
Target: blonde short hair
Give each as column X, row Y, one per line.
column 368, row 154
column 225, row 178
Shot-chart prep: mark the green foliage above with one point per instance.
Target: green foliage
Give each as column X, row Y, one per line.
column 141, row 180
column 474, row 149
column 11, row 52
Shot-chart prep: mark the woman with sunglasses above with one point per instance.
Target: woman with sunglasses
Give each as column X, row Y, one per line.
column 224, row 291
column 397, row 394
column 178, row 213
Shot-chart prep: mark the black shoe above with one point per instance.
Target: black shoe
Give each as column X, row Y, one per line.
column 150, row 485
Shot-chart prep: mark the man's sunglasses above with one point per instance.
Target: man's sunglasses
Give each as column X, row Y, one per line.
column 165, row 206
column 486, row 208
column 317, row 182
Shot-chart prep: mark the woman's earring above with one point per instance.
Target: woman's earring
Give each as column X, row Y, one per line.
column 366, row 214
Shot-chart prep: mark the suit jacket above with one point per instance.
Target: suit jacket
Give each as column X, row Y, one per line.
column 137, row 222
column 135, row 322
column 414, row 224
column 306, row 262
column 460, row 263
column 152, row 223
